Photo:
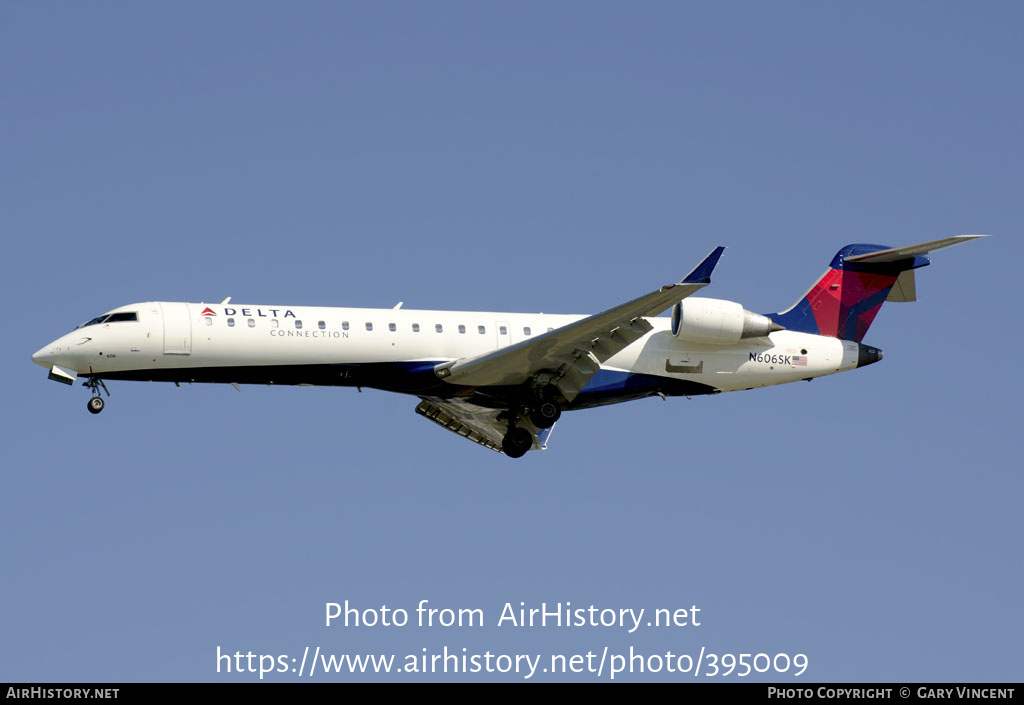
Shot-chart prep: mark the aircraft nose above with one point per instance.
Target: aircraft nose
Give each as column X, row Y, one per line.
column 55, row 353
column 42, row 357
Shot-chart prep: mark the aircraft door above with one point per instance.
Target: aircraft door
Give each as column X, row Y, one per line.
column 177, row 328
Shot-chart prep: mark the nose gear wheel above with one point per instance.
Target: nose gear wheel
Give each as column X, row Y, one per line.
column 96, row 403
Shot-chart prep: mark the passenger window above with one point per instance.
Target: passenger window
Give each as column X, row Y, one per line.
column 481, row 330
column 369, row 326
column 298, row 324
column 503, row 330
column 252, row 323
column 526, row 330
column 321, row 325
column 274, row 323
column 415, row 327
column 392, row 327
column 462, row 329
column 208, row 321
column 344, row 325
column 439, row 328
column 231, row 323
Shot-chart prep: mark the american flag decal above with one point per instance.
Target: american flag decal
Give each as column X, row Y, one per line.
column 800, row 360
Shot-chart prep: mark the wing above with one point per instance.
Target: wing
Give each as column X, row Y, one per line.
column 573, row 353
column 477, row 423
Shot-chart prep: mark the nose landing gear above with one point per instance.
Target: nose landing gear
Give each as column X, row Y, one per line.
column 96, row 403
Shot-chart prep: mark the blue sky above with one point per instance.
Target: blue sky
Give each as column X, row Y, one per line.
column 557, row 157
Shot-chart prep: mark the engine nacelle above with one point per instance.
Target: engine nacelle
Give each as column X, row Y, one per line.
column 718, row 322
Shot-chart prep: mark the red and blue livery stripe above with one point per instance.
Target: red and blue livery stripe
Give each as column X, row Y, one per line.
column 845, row 300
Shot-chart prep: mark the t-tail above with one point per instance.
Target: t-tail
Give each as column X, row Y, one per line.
column 845, row 300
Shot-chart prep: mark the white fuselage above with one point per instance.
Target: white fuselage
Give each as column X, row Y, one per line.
column 186, row 342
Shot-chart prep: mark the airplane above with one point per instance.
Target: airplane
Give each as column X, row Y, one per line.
column 503, row 380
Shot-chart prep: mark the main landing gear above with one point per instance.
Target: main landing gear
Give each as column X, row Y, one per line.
column 543, row 411
column 96, row 403
column 516, row 442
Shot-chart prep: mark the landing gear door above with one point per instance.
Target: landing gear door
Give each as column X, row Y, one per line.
column 177, row 329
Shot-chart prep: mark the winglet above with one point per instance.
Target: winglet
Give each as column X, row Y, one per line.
column 701, row 274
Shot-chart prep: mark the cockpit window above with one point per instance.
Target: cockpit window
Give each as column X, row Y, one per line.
column 112, row 318
column 98, row 319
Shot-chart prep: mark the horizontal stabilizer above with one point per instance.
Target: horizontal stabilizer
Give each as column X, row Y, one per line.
column 896, row 254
